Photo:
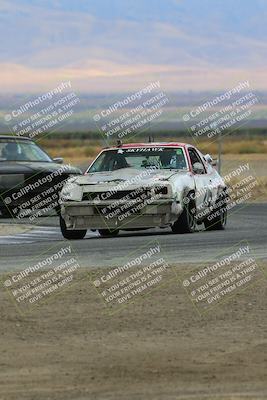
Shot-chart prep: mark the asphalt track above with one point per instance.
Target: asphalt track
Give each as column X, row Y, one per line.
column 245, row 223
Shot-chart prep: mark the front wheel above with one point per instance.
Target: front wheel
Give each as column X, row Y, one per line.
column 71, row 234
column 186, row 223
column 217, row 219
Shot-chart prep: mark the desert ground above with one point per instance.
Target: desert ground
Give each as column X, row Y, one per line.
column 158, row 347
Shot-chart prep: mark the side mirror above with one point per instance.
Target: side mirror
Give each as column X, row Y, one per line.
column 208, row 158
column 58, row 160
column 198, row 168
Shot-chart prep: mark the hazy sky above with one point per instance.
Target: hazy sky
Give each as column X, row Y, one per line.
column 122, row 45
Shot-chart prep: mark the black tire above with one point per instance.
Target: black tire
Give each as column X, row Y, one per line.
column 71, row 234
column 186, row 223
column 217, row 219
column 107, row 233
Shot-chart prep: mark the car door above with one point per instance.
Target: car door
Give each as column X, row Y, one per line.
column 203, row 196
column 214, row 181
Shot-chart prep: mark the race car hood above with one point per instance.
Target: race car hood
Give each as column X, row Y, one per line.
column 127, row 179
column 126, row 174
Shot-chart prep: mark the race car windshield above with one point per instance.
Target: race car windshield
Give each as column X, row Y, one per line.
column 11, row 150
column 140, row 158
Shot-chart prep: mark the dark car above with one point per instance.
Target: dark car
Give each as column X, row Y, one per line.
column 30, row 180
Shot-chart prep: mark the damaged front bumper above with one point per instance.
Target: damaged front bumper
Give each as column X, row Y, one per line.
column 126, row 215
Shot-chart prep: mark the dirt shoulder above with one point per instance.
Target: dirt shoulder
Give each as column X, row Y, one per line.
column 156, row 348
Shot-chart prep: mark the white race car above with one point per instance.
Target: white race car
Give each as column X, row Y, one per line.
column 144, row 185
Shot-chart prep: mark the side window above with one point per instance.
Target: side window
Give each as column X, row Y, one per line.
column 195, row 158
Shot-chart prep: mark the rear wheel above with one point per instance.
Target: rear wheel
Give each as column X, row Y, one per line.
column 186, row 223
column 71, row 234
column 108, row 233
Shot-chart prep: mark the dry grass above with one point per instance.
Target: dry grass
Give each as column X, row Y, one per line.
column 236, row 146
column 230, row 145
column 257, row 192
column 70, row 148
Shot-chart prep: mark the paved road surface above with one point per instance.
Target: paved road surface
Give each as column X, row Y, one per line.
column 247, row 222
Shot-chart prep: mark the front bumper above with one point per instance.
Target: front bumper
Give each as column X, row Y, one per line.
column 91, row 215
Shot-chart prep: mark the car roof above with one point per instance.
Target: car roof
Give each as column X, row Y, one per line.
column 15, row 138
column 153, row 144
